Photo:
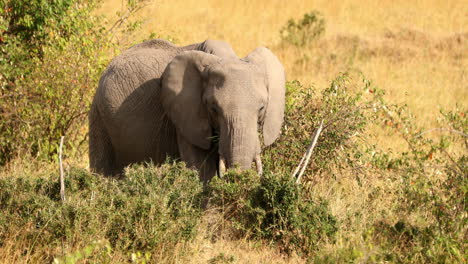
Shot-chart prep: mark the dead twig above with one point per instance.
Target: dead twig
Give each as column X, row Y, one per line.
column 306, row 158
column 62, row 177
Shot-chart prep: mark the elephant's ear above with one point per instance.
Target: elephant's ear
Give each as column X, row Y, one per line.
column 181, row 93
column 275, row 81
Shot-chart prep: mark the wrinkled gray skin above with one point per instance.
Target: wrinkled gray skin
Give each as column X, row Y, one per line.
column 157, row 100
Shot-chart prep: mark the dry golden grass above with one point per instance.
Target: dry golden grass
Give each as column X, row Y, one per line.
column 239, row 251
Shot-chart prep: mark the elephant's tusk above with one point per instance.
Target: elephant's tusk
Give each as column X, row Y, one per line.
column 258, row 163
column 221, row 166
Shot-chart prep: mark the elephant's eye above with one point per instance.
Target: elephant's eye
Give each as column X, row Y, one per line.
column 261, row 108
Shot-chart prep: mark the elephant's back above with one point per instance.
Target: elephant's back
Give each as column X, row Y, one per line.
column 136, row 73
column 154, row 44
column 132, row 76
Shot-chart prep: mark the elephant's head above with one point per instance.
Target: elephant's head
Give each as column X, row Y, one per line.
column 204, row 94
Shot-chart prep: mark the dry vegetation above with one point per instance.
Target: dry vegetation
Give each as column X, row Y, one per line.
column 417, row 51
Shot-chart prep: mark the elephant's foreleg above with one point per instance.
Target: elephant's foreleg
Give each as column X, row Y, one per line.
column 101, row 152
column 203, row 160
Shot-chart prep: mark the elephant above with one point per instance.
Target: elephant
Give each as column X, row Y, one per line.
column 200, row 103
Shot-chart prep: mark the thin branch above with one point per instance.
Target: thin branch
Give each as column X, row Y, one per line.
column 453, row 161
column 306, row 158
column 62, row 179
column 442, row 129
column 299, row 165
column 129, row 12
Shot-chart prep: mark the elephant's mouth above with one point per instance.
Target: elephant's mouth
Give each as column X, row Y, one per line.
column 222, row 165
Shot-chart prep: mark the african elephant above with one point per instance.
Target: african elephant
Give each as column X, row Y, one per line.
column 199, row 103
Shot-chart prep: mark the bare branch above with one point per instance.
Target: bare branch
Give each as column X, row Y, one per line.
column 299, row 165
column 62, row 177
column 306, row 158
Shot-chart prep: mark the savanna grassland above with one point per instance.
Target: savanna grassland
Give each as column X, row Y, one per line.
column 387, row 182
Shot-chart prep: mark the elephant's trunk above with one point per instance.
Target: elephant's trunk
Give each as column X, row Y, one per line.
column 222, row 165
column 239, row 144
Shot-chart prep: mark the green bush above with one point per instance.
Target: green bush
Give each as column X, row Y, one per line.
column 24, row 28
column 305, row 30
column 50, row 65
column 348, row 106
column 151, row 209
column 52, row 54
column 274, row 208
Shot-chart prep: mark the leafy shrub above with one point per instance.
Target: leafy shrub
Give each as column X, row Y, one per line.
column 49, row 67
column 430, row 172
column 51, row 61
column 21, row 19
column 150, row 209
column 433, row 174
column 23, row 32
column 273, row 207
column 305, row 30
column 347, row 107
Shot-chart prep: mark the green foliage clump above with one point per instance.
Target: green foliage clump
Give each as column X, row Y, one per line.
column 49, row 67
column 51, row 56
column 150, row 209
column 222, row 259
column 274, row 208
column 24, row 28
column 27, row 21
column 305, row 30
column 347, row 108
